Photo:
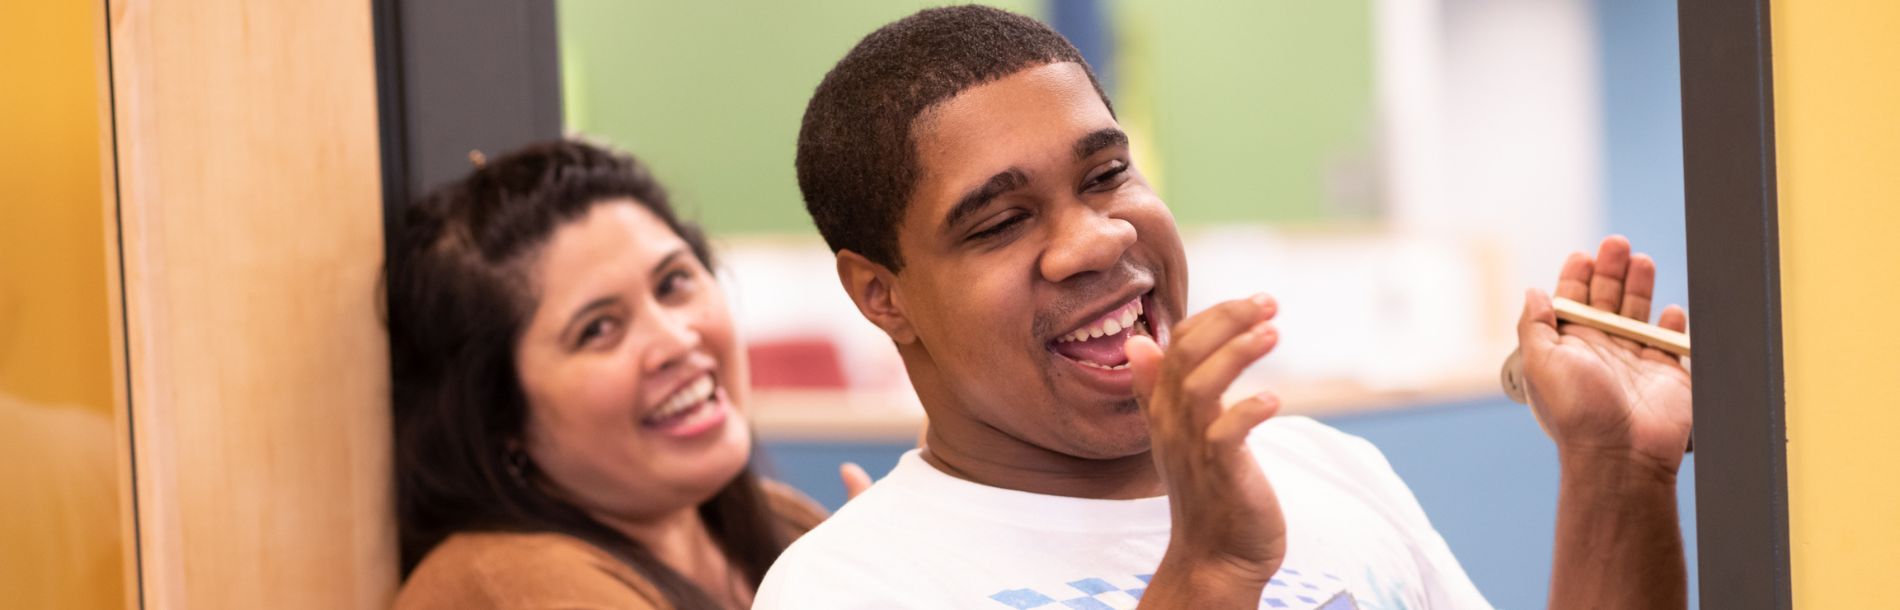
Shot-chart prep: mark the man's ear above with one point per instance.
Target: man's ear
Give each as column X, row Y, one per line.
column 872, row 287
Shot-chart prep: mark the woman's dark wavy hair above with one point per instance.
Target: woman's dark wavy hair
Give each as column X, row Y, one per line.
column 460, row 296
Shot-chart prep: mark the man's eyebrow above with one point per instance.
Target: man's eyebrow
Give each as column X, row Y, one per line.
column 1099, row 140
column 974, row 201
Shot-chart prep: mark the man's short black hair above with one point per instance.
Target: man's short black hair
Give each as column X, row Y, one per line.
column 857, row 163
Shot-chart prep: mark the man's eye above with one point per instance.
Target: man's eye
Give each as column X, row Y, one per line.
column 1108, row 177
column 998, row 228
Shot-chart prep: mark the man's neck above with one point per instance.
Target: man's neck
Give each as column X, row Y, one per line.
column 982, row 454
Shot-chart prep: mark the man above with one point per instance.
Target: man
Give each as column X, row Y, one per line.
column 970, row 174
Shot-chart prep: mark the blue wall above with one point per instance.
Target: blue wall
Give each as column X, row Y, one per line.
column 1642, row 112
column 1487, row 476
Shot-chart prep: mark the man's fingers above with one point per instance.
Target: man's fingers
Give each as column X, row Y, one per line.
column 1650, row 353
column 1211, row 329
column 1674, row 318
column 1203, row 386
column 1537, row 326
column 1611, row 267
column 1232, row 427
column 856, row 480
column 1639, row 288
column 1574, row 281
column 1144, row 362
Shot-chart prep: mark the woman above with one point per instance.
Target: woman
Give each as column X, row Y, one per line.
column 570, row 398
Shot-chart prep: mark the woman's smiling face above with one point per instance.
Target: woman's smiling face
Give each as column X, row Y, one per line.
column 632, row 371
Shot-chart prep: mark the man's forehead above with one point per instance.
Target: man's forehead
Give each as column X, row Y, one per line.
column 1045, row 99
column 1032, row 117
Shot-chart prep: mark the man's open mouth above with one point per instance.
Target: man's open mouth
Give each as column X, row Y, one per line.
column 1101, row 343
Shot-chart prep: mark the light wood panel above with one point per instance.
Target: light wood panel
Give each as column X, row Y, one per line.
column 251, row 214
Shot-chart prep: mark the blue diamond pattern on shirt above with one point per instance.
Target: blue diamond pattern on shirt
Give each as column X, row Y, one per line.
column 1105, row 594
column 1086, row 603
column 1093, row 586
column 1022, row 599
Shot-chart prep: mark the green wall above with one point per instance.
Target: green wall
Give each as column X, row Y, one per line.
column 1259, row 110
column 1246, row 110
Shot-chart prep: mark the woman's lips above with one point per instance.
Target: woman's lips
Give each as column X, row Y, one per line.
column 696, row 409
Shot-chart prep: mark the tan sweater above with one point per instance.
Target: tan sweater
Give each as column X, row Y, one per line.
column 493, row 570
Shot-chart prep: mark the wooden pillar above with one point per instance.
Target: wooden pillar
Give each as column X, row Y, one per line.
column 250, row 209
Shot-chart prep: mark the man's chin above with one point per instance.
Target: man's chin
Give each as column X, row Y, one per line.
column 1124, row 434
column 1110, row 448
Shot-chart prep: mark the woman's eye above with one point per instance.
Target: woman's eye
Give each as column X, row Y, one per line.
column 998, row 228
column 595, row 330
column 674, row 282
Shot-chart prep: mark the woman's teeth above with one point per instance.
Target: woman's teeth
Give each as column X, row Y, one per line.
column 684, row 400
column 1109, row 325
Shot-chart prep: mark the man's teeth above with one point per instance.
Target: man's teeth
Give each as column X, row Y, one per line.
column 1108, row 325
column 687, row 398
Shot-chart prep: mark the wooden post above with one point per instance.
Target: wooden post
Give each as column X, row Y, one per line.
column 249, row 198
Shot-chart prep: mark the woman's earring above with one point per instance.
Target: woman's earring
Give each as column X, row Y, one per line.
column 516, row 461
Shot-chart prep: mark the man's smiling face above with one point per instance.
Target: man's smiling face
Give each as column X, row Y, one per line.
column 1031, row 249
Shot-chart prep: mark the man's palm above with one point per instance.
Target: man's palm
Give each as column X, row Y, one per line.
column 1595, row 392
column 1650, row 405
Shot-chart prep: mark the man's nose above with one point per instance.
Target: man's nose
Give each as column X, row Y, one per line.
column 1086, row 240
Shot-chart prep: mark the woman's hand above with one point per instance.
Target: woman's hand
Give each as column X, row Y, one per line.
column 856, row 480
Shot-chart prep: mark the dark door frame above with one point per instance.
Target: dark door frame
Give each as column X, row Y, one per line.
column 1735, row 290
column 457, row 76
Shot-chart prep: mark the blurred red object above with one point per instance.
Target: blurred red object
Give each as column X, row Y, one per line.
column 798, row 363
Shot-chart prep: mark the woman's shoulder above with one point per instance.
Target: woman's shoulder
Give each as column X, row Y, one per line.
column 523, row 570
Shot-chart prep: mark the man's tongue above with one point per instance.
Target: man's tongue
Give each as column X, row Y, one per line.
column 1105, row 351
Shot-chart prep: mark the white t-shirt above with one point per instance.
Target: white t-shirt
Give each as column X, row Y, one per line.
column 919, row 538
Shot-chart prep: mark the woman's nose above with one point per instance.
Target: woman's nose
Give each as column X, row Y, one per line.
column 671, row 338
